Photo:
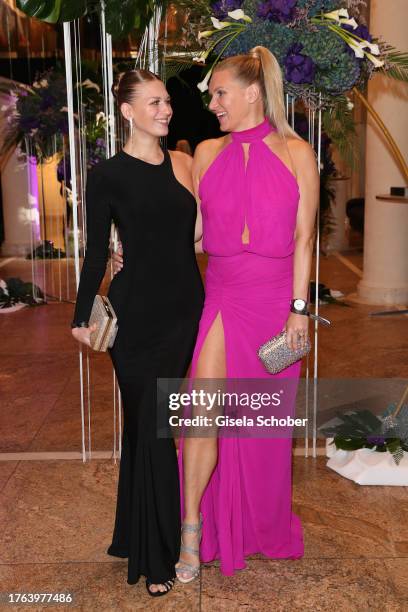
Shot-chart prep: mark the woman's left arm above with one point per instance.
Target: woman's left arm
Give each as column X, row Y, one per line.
column 304, row 159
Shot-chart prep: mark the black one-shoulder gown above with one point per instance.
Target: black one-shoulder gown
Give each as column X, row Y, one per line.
column 158, row 297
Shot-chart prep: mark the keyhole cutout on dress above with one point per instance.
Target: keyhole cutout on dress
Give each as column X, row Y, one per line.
column 245, row 233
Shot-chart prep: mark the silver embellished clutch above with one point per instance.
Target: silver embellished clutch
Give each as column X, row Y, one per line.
column 276, row 354
column 107, row 324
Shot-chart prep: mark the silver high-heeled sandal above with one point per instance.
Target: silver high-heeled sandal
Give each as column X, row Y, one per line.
column 193, row 571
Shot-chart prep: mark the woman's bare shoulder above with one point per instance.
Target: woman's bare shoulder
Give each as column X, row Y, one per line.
column 301, row 150
column 181, row 158
column 206, row 152
column 207, row 147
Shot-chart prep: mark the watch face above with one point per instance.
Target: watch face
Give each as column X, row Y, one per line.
column 299, row 304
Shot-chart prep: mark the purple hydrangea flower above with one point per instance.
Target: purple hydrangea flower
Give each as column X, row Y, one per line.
column 100, row 142
column 29, row 123
column 221, row 8
column 378, row 440
column 47, row 101
column 277, row 10
column 298, row 68
column 361, row 31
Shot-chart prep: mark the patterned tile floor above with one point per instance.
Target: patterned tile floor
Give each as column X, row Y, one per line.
column 57, row 514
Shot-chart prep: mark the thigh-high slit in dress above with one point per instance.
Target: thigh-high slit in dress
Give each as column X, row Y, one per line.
column 246, row 505
column 158, row 298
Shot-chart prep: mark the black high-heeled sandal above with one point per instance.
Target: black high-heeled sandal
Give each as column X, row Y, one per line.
column 169, row 584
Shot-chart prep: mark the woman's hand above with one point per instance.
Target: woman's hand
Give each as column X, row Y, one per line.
column 296, row 327
column 83, row 334
column 117, row 258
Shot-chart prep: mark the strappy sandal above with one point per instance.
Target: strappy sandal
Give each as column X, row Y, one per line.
column 169, row 584
column 193, row 571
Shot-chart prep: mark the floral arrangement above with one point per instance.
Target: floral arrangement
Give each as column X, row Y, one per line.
column 363, row 429
column 95, row 134
column 322, row 45
column 15, row 291
column 37, row 115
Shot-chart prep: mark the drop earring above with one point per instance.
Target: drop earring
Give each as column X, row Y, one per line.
column 131, row 128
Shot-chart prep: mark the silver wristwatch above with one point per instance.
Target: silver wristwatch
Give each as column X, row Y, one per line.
column 299, row 306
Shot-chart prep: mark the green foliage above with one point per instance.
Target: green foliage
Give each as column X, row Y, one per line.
column 121, row 16
column 15, row 291
column 396, row 64
column 72, row 10
column 338, row 123
column 174, row 66
column 365, row 430
column 46, row 10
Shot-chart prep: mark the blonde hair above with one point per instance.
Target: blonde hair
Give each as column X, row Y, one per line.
column 261, row 66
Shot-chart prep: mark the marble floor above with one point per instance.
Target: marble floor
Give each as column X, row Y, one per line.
column 57, row 513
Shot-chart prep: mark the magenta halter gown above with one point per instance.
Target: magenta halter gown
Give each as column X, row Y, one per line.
column 246, row 506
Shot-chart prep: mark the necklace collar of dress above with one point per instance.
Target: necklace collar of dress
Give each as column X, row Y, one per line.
column 254, row 134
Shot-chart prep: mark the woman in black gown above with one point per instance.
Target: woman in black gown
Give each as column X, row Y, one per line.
column 158, row 298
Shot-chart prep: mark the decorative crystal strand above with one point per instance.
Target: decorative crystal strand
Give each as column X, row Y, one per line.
column 82, row 175
column 72, row 154
column 316, row 326
column 307, row 377
column 44, row 229
column 140, row 61
column 110, row 140
column 111, row 101
column 29, row 162
column 66, row 228
column 52, row 223
column 105, row 79
column 153, row 35
column 59, row 234
column 117, row 429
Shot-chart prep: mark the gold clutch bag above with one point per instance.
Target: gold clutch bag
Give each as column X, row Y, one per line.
column 107, row 324
column 276, row 354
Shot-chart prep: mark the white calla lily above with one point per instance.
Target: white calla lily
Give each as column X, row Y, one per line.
column 374, row 49
column 203, row 85
column 377, row 63
column 351, row 22
column 358, row 47
column 337, row 15
column 239, row 14
column 219, row 25
column 100, row 117
column 205, row 34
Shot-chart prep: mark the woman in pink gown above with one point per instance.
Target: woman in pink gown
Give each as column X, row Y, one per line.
column 258, row 188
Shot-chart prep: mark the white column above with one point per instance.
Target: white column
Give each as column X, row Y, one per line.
column 337, row 240
column 20, row 206
column 385, row 276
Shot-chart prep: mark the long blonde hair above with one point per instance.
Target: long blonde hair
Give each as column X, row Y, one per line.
column 261, row 66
